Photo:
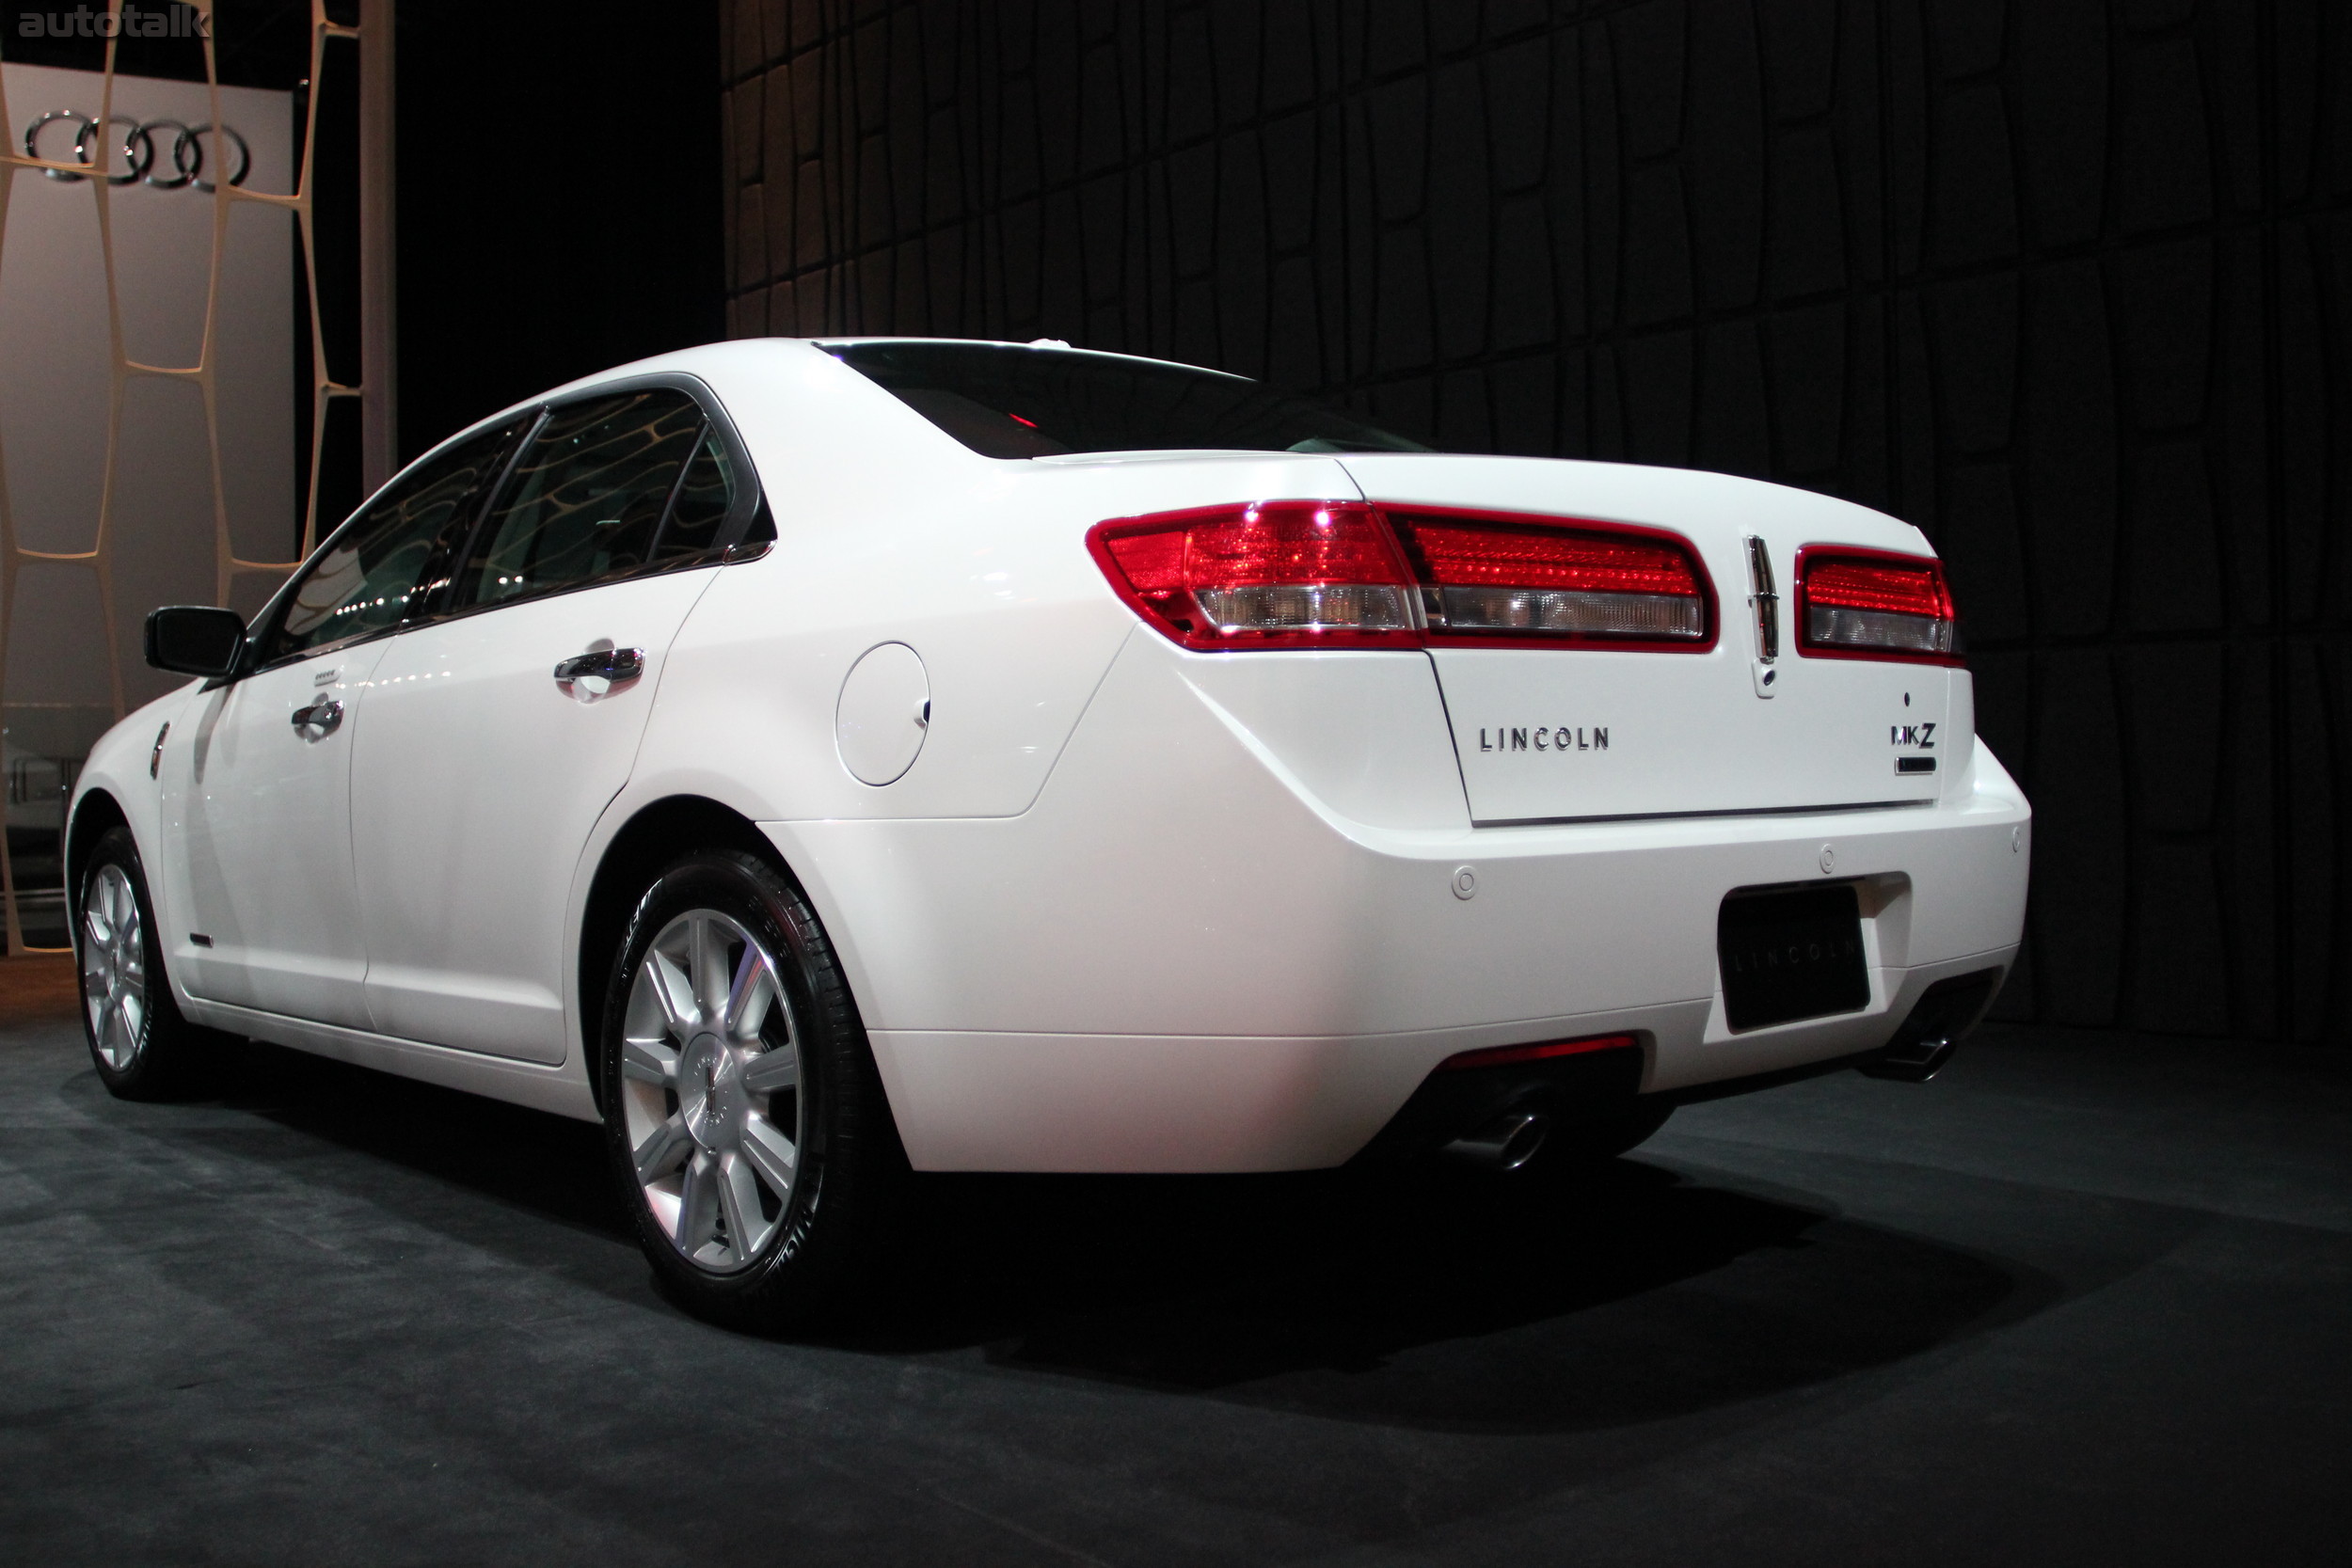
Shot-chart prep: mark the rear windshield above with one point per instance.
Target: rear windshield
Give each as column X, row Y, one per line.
column 1004, row 400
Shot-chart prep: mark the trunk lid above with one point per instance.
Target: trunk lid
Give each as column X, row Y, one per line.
column 1548, row 734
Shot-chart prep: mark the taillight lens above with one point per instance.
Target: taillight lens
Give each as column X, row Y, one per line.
column 1344, row 573
column 1281, row 574
column 1861, row 604
column 1487, row 579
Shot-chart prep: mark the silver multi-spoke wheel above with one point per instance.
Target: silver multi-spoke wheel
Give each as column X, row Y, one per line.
column 114, row 967
column 710, row 1079
column 742, row 1115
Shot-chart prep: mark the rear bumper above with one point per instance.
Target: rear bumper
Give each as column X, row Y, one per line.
column 1181, row 959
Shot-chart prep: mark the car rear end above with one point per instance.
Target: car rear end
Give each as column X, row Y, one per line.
column 1441, row 781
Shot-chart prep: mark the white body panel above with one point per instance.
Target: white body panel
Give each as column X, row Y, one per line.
column 1132, row 907
column 1326, row 964
column 260, row 846
column 476, row 780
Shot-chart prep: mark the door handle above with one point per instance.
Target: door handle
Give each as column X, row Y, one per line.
column 318, row 720
column 605, row 664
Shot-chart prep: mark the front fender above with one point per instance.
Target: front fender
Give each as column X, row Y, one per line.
column 122, row 780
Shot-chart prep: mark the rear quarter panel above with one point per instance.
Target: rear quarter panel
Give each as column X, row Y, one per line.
column 889, row 530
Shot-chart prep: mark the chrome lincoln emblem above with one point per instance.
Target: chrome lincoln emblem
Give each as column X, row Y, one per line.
column 181, row 158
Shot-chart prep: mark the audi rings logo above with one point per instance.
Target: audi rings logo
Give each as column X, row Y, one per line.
column 162, row 152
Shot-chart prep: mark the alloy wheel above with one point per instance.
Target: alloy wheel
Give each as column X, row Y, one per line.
column 114, row 967
column 710, row 1081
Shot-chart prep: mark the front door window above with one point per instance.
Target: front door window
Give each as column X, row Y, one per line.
column 372, row 574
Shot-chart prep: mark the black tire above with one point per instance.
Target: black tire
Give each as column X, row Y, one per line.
column 727, row 1237
column 142, row 1045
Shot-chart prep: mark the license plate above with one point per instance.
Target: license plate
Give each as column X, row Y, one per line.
column 1791, row 954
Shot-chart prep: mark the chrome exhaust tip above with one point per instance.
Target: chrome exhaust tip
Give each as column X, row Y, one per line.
column 1910, row 1062
column 1505, row 1143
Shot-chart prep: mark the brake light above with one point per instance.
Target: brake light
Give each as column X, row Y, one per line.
column 1868, row 604
column 1280, row 574
column 1344, row 574
column 1495, row 578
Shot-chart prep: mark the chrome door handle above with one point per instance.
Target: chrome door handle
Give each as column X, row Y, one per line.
column 606, row 664
column 318, row 720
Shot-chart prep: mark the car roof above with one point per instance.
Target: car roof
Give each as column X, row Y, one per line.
column 723, row 360
column 1055, row 345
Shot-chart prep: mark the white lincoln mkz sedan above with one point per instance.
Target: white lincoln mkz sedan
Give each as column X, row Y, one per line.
column 811, row 759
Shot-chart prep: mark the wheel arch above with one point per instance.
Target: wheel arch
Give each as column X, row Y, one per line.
column 93, row 813
column 657, row 831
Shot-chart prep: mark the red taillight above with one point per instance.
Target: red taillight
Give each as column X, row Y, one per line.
column 1343, row 573
column 1866, row 604
column 1505, row 1055
column 1281, row 574
column 1513, row 580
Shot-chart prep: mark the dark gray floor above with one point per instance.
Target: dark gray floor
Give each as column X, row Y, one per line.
column 2081, row 1300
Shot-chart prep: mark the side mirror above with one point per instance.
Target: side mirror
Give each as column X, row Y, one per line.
column 195, row 639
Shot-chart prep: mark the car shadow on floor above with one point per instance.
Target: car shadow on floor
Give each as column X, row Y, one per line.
column 1426, row 1296
column 1422, row 1296
column 519, row 1159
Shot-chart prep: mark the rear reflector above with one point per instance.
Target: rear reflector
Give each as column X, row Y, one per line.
column 1506, row 1055
column 1344, row 574
column 1860, row 603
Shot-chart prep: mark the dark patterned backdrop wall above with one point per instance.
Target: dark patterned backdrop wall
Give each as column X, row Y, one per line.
column 2068, row 283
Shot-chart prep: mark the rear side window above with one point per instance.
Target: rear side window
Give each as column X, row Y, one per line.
column 705, row 498
column 588, row 499
column 371, row 576
column 1006, row 400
